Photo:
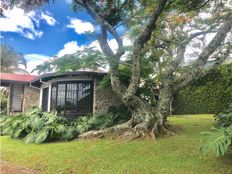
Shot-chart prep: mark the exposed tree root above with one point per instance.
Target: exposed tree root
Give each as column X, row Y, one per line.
column 126, row 131
column 101, row 133
column 164, row 131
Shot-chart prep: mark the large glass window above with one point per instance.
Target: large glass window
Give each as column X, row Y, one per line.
column 72, row 98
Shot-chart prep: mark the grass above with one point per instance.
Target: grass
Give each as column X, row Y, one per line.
column 178, row 154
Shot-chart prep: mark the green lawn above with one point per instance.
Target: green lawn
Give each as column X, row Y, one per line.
column 178, row 154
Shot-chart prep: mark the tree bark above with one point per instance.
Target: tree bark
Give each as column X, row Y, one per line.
column 163, row 107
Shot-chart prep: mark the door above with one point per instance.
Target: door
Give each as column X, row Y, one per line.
column 45, row 100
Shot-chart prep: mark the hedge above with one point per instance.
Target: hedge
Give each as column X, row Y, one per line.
column 210, row 94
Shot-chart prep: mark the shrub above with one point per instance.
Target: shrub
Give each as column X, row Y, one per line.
column 219, row 140
column 3, row 102
column 93, row 122
column 210, row 94
column 224, row 119
column 115, row 115
column 36, row 126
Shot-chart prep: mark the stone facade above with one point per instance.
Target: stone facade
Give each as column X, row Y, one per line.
column 31, row 98
column 104, row 98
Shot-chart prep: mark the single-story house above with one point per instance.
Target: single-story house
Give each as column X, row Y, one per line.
column 70, row 94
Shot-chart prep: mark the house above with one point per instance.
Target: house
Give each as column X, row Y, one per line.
column 70, row 94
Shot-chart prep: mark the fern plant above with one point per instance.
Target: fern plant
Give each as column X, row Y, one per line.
column 35, row 126
column 219, row 140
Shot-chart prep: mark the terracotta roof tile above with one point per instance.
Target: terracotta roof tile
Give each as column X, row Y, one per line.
column 17, row 77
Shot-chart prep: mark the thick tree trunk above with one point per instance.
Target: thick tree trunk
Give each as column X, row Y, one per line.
column 164, row 103
column 145, row 120
column 142, row 112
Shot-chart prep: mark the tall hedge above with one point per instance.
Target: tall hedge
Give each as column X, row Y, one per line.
column 210, row 94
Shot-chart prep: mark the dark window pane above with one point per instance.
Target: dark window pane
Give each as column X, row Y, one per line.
column 53, row 97
column 71, row 98
column 84, row 103
column 45, row 100
column 61, row 98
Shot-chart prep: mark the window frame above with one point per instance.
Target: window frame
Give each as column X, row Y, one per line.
column 56, row 83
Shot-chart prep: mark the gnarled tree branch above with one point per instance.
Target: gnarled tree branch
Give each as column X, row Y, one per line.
column 139, row 45
column 195, row 73
column 107, row 26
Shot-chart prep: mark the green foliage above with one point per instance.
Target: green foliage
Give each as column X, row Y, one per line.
column 36, row 126
column 115, row 115
column 124, row 75
column 93, row 122
column 219, row 140
column 224, row 119
column 188, row 5
column 210, row 94
column 3, row 103
column 88, row 58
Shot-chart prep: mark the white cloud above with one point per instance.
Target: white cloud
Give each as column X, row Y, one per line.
column 95, row 44
column 112, row 43
column 49, row 19
column 80, row 26
column 16, row 20
column 70, row 48
column 33, row 60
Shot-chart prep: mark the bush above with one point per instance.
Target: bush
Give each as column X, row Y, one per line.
column 36, row 126
column 115, row 115
column 210, row 94
column 224, row 119
column 219, row 140
column 3, row 100
column 93, row 122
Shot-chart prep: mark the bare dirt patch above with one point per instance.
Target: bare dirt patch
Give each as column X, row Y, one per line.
column 8, row 168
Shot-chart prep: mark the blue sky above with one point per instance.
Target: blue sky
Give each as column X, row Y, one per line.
column 54, row 29
column 54, row 36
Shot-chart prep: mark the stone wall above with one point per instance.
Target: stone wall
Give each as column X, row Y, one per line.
column 104, row 98
column 31, row 98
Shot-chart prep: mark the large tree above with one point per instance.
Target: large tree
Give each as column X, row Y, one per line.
column 164, row 31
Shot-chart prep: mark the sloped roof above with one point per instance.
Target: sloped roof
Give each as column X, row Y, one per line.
column 23, row 78
column 7, row 78
column 49, row 76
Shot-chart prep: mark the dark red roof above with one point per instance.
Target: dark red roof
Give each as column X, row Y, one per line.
column 17, row 77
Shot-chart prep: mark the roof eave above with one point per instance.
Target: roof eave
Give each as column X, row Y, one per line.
column 54, row 75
